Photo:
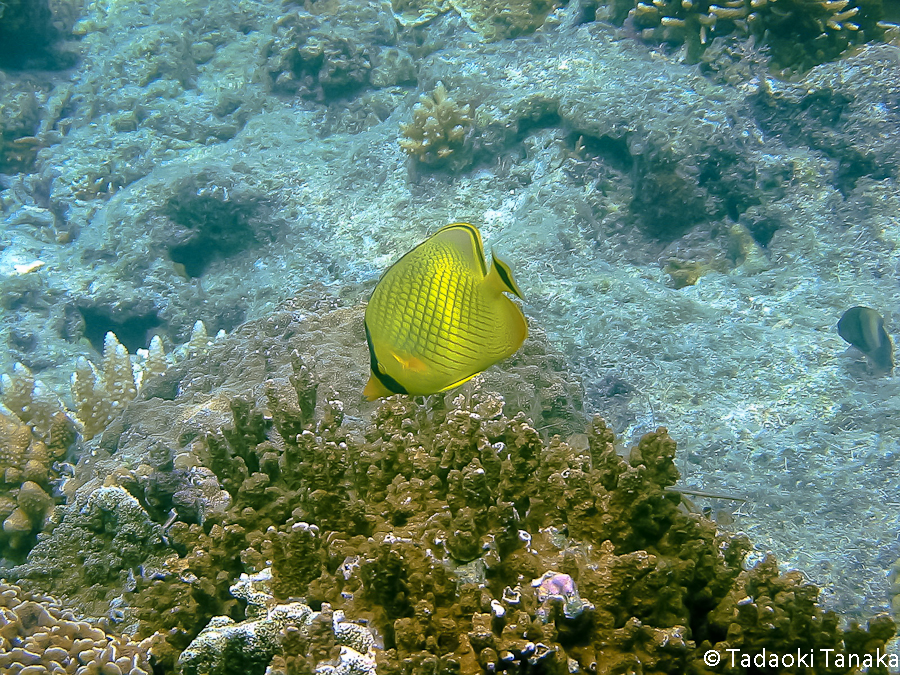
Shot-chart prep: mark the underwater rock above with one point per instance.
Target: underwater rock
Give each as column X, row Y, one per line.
column 804, row 113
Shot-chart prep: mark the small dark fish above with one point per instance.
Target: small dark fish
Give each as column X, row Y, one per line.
column 863, row 328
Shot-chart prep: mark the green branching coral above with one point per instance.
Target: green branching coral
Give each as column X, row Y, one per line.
column 440, row 131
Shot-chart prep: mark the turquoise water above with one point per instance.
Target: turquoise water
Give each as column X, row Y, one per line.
column 686, row 236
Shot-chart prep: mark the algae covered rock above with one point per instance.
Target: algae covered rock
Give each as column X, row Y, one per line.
column 225, row 646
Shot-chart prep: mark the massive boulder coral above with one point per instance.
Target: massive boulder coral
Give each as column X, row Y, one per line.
column 97, row 543
column 26, row 473
column 37, row 635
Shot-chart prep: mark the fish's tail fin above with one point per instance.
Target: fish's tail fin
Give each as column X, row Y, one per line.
column 501, row 277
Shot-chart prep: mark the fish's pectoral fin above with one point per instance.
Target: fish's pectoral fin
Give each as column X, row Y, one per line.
column 409, row 362
column 375, row 389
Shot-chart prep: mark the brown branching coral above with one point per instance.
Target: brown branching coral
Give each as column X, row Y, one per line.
column 465, row 541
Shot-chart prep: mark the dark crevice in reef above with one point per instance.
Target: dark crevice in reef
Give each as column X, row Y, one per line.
column 29, row 38
column 134, row 332
column 212, row 229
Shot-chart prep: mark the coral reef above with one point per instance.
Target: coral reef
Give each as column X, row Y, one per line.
column 37, row 635
column 99, row 395
column 440, row 131
column 424, row 535
column 464, row 541
column 765, row 607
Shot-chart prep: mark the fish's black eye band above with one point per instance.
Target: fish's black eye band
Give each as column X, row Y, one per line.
column 389, row 382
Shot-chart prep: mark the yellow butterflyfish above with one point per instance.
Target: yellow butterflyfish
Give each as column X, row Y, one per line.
column 438, row 316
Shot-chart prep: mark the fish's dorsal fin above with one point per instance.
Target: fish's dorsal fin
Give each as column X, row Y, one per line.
column 501, row 277
column 466, row 239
